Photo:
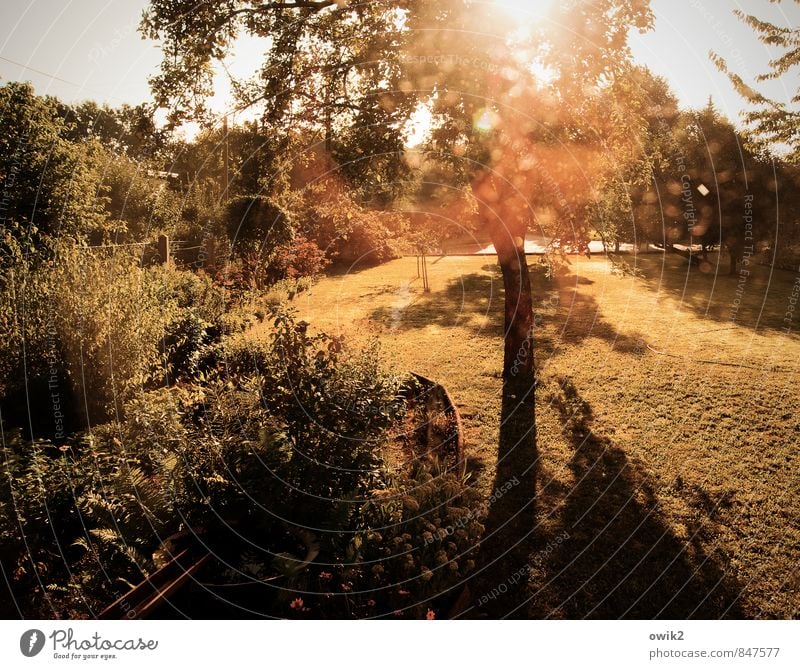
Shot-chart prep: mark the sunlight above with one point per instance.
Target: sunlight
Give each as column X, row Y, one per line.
column 526, row 11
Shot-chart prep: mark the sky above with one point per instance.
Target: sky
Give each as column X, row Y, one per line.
column 90, row 49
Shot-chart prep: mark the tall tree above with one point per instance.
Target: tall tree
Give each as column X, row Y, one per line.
column 770, row 119
column 353, row 74
column 50, row 184
column 357, row 71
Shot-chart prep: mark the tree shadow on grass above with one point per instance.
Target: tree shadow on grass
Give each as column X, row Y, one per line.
column 572, row 317
column 498, row 590
column 613, row 553
column 579, row 318
column 472, row 299
column 757, row 296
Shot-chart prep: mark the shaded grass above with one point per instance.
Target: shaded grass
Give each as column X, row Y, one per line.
column 666, row 475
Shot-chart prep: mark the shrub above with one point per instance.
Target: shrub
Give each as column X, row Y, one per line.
column 298, row 259
column 284, row 435
column 100, row 326
column 348, row 232
column 257, row 219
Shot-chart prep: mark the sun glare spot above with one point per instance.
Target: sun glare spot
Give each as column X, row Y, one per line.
column 526, row 11
column 486, row 120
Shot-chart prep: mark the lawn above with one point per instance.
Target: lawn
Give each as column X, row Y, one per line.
column 667, row 419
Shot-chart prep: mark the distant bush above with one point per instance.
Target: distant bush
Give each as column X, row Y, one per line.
column 257, row 219
column 100, row 326
column 350, row 233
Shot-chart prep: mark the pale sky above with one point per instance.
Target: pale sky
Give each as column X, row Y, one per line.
column 79, row 49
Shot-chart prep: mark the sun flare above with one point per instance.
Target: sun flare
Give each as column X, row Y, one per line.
column 526, row 11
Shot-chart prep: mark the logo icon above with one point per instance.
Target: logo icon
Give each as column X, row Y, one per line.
column 31, row 643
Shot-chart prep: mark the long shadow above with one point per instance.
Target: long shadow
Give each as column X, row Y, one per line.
column 612, row 553
column 755, row 296
column 576, row 317
column 499, row 589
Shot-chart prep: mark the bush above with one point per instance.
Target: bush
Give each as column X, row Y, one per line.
column 348, row 232
column 281, row 437
column 101, row 327
column 257, row 219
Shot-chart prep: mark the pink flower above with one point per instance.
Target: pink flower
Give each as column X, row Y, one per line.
column 296, row 603
column 370, row 602
column 430, row 615
column 325, row 576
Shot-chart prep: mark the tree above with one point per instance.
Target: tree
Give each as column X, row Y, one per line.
column 356, row 72
column 727, row 192
column 128, row 130
column 770, row 120
column 50, row 182
column 627, row 209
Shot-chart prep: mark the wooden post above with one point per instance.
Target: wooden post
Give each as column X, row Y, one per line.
column 226, row 156
column 211, row 252
column 163, row 249
column 425, row 283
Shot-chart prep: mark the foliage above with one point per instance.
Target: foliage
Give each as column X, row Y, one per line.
column 770, row 120
column 127, row 130
column 346, row 231
column 101, row 326
column 50, row 181
column 299, row 258
column 139, row 205
column 430, row 525
column 236, row 450
column 257, row 219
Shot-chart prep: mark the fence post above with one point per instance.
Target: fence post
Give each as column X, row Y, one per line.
column 211, row 252
column 163, row 249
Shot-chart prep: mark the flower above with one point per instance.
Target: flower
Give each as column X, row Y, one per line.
column 296, row 603
column 370, row 602
column 403, row 592
column 430, row 615
column 325, row 576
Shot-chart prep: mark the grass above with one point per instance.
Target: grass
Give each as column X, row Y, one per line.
column 667, row 419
